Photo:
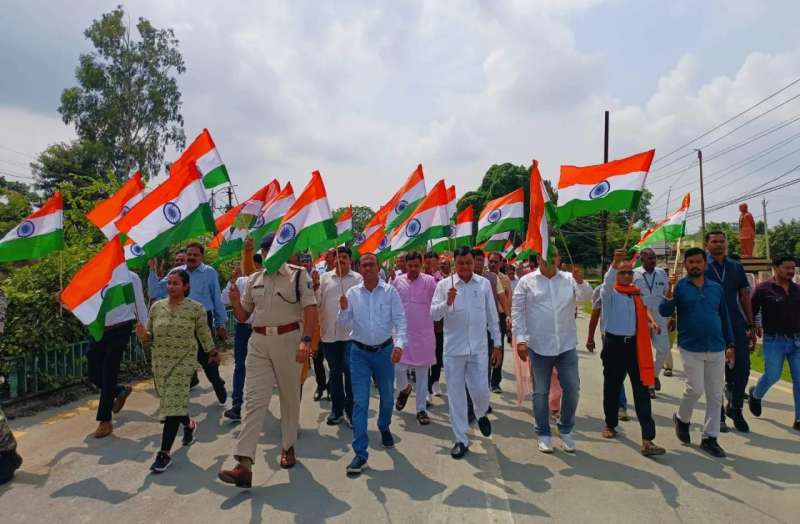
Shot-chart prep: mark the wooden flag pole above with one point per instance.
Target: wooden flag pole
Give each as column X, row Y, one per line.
column 677, row 257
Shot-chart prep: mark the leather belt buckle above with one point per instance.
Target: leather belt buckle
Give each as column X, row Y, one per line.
column 271, row 331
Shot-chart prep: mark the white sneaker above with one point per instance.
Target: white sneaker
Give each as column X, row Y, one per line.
column 545, row 444
column 568, row 443
column 437, row 389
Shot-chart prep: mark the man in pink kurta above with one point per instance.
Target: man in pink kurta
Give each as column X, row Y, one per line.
column 416, row 293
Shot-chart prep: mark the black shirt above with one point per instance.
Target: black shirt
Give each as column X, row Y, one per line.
column 780, row 312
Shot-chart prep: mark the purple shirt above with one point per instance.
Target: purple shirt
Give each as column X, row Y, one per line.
column 416, row 297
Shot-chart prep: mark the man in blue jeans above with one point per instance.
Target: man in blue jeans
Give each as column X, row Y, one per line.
column 375, row 312
column 543, row 320
column 778, row 301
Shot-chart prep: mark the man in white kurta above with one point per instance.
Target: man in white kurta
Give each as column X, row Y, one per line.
column 652, row 284
column 466, row 304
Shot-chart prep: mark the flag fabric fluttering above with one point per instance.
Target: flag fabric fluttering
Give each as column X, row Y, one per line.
column 428, row 221
column 377, row 244
column 506, row 213
column 460, row 234
column 223, row 223
column 233, row 240
column 378, row 221
column 272, row 214
column 508, row 250
column 406, row 200
column 451, row 203
column 537, row 237
column 613, row 186
column 106, row 213
column 671, row 228
column 41, row 233
column 174, row 211
column 308, row 222
column 202, row 154
column 100, row 286
column 494, row 243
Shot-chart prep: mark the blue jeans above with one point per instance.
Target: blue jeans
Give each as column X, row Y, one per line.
column 241, row 336
column 541, row 369
column 363, row 364
column 776, row 348
column 341, row 389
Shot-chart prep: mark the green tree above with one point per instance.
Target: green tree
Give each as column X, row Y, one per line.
column 75, row 163
column 784, row 239
column 126, row 106
column 361, row 215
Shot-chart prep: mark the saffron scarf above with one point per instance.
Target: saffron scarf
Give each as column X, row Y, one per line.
column 644, row 349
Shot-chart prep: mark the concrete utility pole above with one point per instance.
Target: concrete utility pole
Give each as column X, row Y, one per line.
column 766, row 228
column 604, row 214
column 702, row 196
column 230, row 198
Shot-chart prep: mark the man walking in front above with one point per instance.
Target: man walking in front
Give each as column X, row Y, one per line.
column 466, row 302
column 705, row 340
column 627, row 351
column 378, row 336
column 543, row 321
column 652, row 284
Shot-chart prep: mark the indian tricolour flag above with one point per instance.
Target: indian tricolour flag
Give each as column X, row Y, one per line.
column 495, row 242
column 233, row 239
column 427, row 222
column 308, row 222
column 406, row 200
column 107, row 212
column 100, row 286
column 378, row 221
column 202, row 153
column 377, row 243
column 613, row 186
column 174, row 211
column 671, row 228
column 134, row 254
column 344, row 226
column 537, row 238
column 42, row 232
column 272, row 214
column 461, row 232
column 451, row 202
column 223, row 224
column 506, row 213
column 508, row 250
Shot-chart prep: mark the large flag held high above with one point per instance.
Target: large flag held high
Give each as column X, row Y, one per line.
column 202, row 154
column 671, row 228
column 506, row 213
column 272, row 214
column 307, row 223
column 233, row 239
column 461, row 233
column 41, row 233
column 406, row 200
column 613, row 186
column 537, row 238
column 427, row 222
column 113, row 208
column 174, row 211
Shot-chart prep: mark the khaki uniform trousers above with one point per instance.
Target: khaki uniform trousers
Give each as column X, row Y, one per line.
column 270, row 359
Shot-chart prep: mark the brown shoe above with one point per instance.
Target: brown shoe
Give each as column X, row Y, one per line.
column 402, row 398
column 651, row 450
column 119, row 402
column 103, row 430
column 287, row 458
column 238, row 476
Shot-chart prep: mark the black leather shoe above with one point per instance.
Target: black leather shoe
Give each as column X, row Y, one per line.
column 658, row 385
column 754, row 403
column 681, row 429
column 485, row 426
column 723, row 426
column 318, row 394
column 712, row 447
column 458, row 451
column 739, row 422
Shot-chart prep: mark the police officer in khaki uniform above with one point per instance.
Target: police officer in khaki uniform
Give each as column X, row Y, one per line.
column 284, row 317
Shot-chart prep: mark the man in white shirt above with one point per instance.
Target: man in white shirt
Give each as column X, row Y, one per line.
column 543, row 320
column 466, row 302
column 377, row 338
column 105, row 355
column 652, row 284
column 335, row 337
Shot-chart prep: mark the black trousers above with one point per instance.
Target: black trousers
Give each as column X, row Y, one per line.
column 211, row 370
column 319, row 369
column 496, row 374
column 170, row 431
column 103, row 358
column 619, row 359
column 436, row 370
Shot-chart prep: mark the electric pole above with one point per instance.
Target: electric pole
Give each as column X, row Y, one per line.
column 766, row 228
column 230, row 199
column 604, row 214
column 702, row 196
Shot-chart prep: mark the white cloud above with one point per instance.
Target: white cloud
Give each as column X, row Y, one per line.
column 21, row 134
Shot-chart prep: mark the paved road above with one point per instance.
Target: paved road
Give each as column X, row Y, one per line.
column 69, row 476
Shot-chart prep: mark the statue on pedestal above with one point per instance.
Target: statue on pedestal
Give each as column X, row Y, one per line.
column 747, row 231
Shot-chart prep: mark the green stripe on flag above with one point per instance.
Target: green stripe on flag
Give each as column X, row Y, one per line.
column 501, row 226
column 32, row 247
column 261, row 232
column 116, row 296
column 305, row 239
column 431, row 233
column 666, row 233
column 620, row 200
column 198, row 222
column 216, row 177
column 399, row 219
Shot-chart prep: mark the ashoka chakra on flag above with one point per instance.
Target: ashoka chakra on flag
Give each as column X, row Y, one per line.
column 172, row 212
column 286, row 234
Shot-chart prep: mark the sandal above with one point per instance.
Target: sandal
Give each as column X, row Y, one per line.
column 651, row 450
column 423, row 419
column 609, row 432
column 402, row 398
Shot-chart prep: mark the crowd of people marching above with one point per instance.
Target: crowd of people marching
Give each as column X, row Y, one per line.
column 431, row 317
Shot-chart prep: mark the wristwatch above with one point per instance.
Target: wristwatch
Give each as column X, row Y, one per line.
column 305, row 339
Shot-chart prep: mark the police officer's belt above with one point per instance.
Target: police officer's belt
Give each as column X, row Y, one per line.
column 373, row 349
column 272, row 331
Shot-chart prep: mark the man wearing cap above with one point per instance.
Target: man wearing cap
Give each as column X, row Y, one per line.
column 284, row 316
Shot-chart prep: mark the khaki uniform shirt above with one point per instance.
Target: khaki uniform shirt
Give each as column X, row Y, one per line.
column 272, row 299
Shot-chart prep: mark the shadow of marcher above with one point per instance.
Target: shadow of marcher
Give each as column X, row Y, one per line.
column 469, row 497
column 92, row 488
column 532, row 476
column 402, row 477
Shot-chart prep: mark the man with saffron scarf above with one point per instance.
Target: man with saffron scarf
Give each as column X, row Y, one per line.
column 627, row 351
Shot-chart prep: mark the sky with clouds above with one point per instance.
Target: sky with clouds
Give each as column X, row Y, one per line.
column 366, row 91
